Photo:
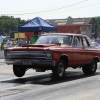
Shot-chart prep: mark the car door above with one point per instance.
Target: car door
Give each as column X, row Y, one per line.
column 88, row 50
column 79, row 52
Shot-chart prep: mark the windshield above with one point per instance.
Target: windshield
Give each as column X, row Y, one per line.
column 54, row 39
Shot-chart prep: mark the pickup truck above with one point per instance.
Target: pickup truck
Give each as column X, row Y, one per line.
column 56, row 52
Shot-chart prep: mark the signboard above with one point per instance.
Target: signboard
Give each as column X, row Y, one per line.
column 83, row 28
column 19, row 35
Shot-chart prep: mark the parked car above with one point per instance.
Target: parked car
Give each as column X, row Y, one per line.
column 56, row 52
column 95, row 44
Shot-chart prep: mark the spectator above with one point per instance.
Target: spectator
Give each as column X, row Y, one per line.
column 27, row 39
column 34, row 38
column 8, row 43
column 21, row 42
column 2, row 44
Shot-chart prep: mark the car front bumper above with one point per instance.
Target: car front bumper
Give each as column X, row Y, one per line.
column 35, row 63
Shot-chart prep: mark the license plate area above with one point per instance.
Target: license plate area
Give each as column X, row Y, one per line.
column 27, row 62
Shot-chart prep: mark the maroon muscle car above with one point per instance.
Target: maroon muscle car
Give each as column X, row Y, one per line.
column 56, row 52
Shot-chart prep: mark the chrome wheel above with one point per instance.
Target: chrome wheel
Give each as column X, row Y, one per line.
column 91, row 68
column 59, row 69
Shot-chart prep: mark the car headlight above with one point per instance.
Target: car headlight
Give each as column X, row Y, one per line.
column 48, row 54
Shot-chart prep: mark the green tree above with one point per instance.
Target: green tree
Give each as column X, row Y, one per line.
column 97, row 19
column 69, row 17
column 9, row 23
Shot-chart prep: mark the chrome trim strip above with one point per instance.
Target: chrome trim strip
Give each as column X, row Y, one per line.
column 28, row 51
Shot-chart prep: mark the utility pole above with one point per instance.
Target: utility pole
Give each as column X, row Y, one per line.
column 9, row 31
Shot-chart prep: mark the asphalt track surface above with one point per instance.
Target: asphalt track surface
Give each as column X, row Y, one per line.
column 43, row 86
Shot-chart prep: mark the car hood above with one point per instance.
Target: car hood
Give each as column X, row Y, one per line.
column 31, row 47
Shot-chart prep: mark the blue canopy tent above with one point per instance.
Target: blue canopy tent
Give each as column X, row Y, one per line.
column 37, row 25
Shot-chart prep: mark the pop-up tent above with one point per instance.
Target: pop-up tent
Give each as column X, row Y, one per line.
column 37, row 25
column 2, row 37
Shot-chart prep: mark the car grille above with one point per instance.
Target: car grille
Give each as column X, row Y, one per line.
column 27, row 54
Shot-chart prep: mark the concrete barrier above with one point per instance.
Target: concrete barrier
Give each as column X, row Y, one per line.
column 1, row 54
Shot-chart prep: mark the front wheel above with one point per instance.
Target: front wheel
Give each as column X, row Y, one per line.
column 59, row 69
column 19, row 71
column 91, row 68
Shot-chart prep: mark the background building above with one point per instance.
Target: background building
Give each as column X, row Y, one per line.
column 86, row 26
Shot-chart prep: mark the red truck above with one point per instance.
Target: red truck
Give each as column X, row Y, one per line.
column 56, row 52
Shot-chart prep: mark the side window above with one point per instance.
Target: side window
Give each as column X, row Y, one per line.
column 74, row 41
column 77, row 42
column 85, row 42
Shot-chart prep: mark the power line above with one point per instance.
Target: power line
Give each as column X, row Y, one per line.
column 85, row 6
column 61, row 7
column 49, row 10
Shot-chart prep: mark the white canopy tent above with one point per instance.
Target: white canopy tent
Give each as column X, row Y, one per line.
column 2, row 37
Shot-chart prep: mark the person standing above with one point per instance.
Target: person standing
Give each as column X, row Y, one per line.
column 34, row 38
column 2, row 44
column 21, row 42
column 27, row 39
column 8, row 43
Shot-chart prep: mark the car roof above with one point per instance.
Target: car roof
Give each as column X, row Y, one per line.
column 74, row 34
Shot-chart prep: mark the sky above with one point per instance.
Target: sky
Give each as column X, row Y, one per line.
column 50, row 9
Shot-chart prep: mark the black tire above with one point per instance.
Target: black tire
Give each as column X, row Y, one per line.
column 19, row 71
column 59, row 69
column 90, row 69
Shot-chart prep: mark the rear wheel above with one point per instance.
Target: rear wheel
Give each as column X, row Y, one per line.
column 59, row 69
column 91, row 68
column 19, row 71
